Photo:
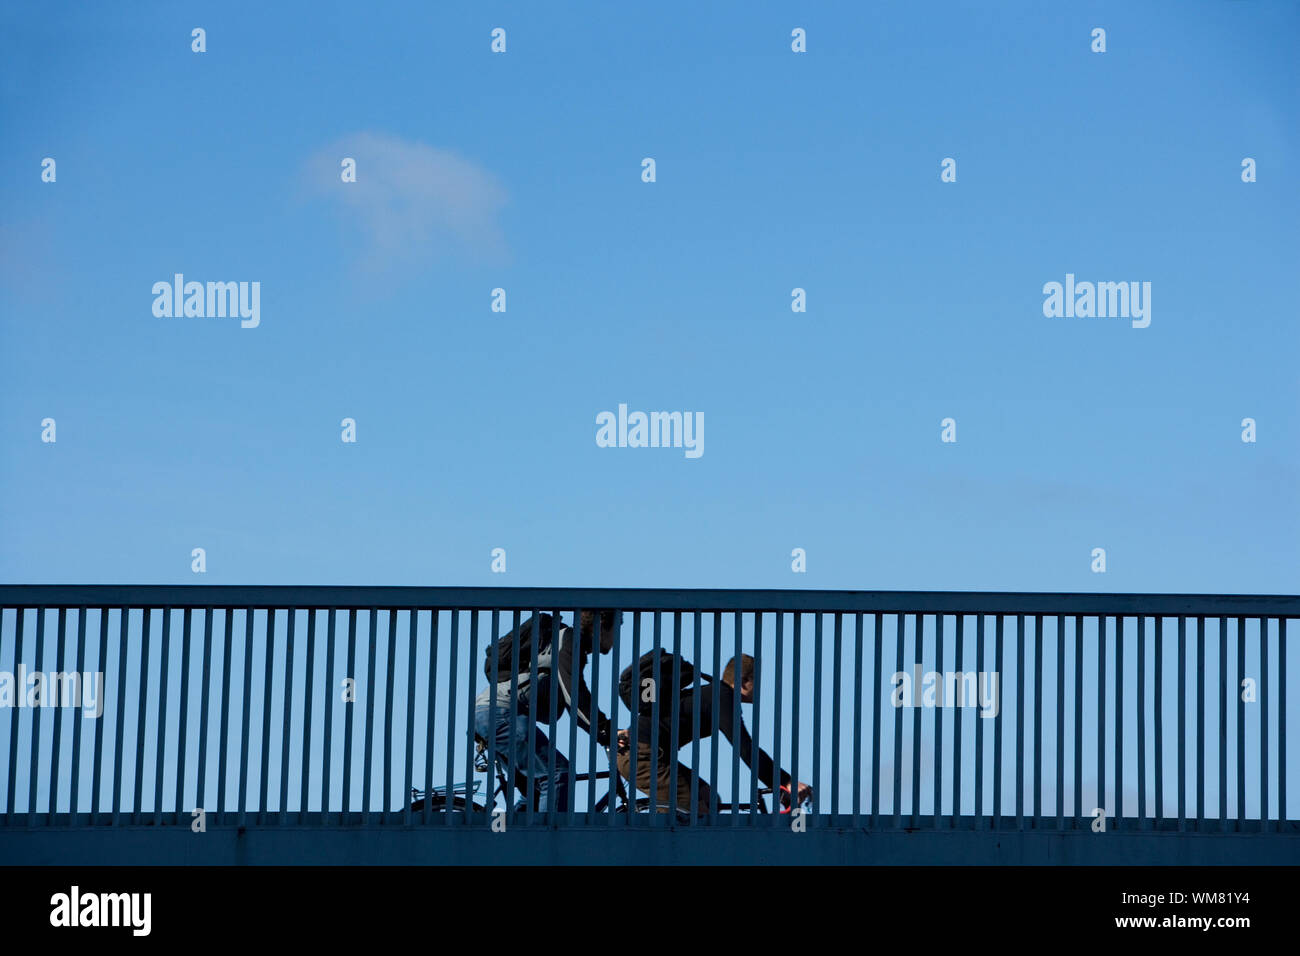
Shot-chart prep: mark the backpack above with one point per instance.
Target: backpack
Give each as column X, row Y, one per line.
column 633, row 679
column 523, row 636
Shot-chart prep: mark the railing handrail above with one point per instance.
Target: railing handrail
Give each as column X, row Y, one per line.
column 1138, row 688
column 366, row 597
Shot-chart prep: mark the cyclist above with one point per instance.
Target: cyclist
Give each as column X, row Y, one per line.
column 555, row 661
column 700, row 699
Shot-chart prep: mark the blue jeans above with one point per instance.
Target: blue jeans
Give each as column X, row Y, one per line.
column 531, row 750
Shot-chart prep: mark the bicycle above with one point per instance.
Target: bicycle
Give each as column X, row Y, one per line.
column 461, row 794
column 642, row 804
column 761, row 807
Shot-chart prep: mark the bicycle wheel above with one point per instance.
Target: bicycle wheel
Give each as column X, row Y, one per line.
column 439, row 805
column 643, row 806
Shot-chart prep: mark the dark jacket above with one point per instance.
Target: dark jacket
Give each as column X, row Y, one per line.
column 555, row 665
column 702, row 699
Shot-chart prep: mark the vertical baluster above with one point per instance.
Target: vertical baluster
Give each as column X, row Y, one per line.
column 553, row 710
column 654, row 722
column 57, row 738
column 716, row 689
column 737, row 650
column 77, row 724
column 857, row 724
column 779, row 670
column 309, row 682
column 268, row 685
column 528, row 745
column 1142, row 722
column 1119, row 721
column 1060, row 722
column 999, row 624
column 1038, row 721
column 1078, row 720
column 979, row 722
column 431, row 717
column 674, row 734
column 899, row 642
column 201, row 788
column 512, row 765
column 368, row 740
column 938, row 721
column 837, row 677
column 1223, row 724
column 794, row 705
column 161, row 755
column 13, row 719
column 124, row 614
column 611, row 750
column 1241, row 723
column 634, row 760
column 11, row 814
column 1200, row 724
column 899, row 648
column 918, row 648
column 345, row 809
column 142, row 706
column 38, row 714
column 469, row 713
column 817, row 711
column 878, row 712
column 1020, row 721
column 695, row 723
column 959, row 706
column 327, row 725
column 386, row 790
column 1282, row 816
column 575, row 674
column 182, row 731
column 595, row 708
column 1263, row 724
column 1101, row 712
column 96, row 784
column 449, row 815
column 753, row 740
column 1158, row 721
column 494, row 680
column 1182, row 723
column 223, row 719
column 287, row 727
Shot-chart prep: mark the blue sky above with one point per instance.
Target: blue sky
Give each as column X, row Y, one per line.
column 775, row 170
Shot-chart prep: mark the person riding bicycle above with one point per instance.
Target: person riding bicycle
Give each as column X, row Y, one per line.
column 554, row 666
column 697, row 699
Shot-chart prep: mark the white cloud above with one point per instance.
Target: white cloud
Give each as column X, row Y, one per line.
column 412, row 201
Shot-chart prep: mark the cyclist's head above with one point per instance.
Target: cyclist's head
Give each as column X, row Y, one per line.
column 745, row 665
column 587, row 626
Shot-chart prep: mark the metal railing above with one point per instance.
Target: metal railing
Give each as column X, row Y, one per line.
column 354, row 707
